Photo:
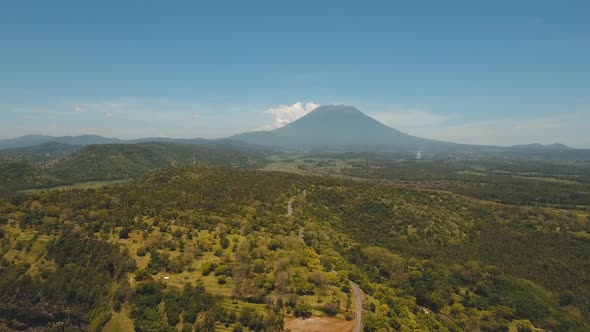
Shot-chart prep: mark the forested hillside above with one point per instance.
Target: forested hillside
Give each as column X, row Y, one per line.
column 467, row 255
column 116, row 161
column 36, row 153
column 204, row 248
column 36, row 167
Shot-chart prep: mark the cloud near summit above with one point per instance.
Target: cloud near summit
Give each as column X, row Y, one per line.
column 285, row 114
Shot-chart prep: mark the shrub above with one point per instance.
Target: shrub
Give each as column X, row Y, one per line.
column 141, row 251
column 274, row 245
column 566, row 298
column 224, row 242
column 142, row 274
column 302, row 310
column 124, row 233
column 237, row 327
column 331, row 309
column 208, row 268
column 117, row 305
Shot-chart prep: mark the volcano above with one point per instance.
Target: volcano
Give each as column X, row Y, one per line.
column 341, row 127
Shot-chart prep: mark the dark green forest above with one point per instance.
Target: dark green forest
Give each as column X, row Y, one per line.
column 54, row 164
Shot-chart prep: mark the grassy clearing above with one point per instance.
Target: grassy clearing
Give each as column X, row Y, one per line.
column 193, row 273
column 546, row 179
column 237, row 305
column 30, row 248
column 119, row 322
column 317, row 302
column 212, row 286
column 81, row 185
column 219, row 327
column 325, row 166
column 472, row 173
column 282, row 166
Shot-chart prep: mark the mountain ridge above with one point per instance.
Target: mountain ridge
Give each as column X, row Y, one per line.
column 328, row 127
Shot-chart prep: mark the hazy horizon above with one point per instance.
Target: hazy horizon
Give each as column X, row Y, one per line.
column 285, row 114
column 517, row 75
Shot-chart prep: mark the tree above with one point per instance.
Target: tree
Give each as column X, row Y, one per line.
column 302, row 310
column 566, row 298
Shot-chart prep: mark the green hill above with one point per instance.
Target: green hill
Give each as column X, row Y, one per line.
column 27, row 168
column 117, row 161
column 45, row 151
column 207, row 248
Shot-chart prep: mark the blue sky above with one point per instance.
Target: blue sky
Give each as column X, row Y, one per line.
column 490, row 72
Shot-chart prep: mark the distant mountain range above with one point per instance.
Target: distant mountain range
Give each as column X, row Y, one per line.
column 340, row 127
column 327, row 128
column 32, row 140
column 49, row 149
column 41, row 161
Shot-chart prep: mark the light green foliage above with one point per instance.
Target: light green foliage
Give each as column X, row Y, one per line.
column 214, row 248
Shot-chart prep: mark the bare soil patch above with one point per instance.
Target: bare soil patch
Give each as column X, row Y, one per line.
column 319, row 324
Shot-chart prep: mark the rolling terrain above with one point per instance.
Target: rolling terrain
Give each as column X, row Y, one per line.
column 426, row 260
column 334, row 222
column 26, row 168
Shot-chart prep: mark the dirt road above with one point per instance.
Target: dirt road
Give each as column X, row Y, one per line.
column 318, row 324
column 359, row 297
column 290, row 207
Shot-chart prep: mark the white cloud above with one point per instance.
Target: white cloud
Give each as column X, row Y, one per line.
column 285, row 114
column 186, row 118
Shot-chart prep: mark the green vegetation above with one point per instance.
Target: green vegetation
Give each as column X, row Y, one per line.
column 512, row 181
column 203, row 248
column 21, row 169
column 69, row 285
column 81, row 185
